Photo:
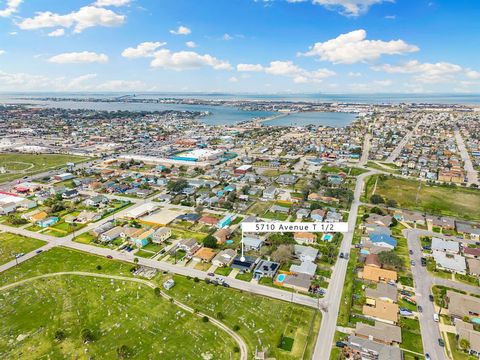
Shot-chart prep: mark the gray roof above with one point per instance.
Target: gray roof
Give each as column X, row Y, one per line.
column 380, row 332
column 383, row 352
column 453, row 262
column 383, row 291
column 306, row 267
column 305, row 252
column 445, row 245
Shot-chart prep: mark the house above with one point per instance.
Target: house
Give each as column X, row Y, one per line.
column 287, row 179
column 161, row 235
column 461, row 305
column 318, row 214
column 383, row 240
column 246, row 264
column 190, row 246
column 103, row 228
column 305, row 253
column 190, row 217
column 381, row 310
column 208, row 220
column 269, row 193
column 444, row 223
column 446, row 246
column 224, row 258
column 306, row 267
column 96, row 200
column 111, row 234
column 471, row 252
column 303, row 213
column 360, row 348
column 375, row 274
column 88, row 216
column 333, row 216
column 297, row 282
column 305, row 238
column 450, row 262
column 64, row 177
column 473, row 267
column 167, row 285
column 142, row 239
column 49, row 221
column 382, row 220
column 252, row 243
column 225, row 221
column 70, row 194
column 383, row 291
column 265, row 268
column 38, row 216
column 466, row 331
column 381, row 332
column 373, row 260
column 204, row 255
column 141, row 210
column 221, row 235
column 279, row 209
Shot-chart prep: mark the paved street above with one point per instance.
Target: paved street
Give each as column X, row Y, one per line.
column 394, row 154
column 472, row 175
column 333, row 298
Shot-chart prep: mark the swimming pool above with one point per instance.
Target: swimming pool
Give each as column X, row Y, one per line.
column 327, row 237
column 281, row 278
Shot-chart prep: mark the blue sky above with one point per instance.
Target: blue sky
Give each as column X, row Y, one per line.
column 262, row 46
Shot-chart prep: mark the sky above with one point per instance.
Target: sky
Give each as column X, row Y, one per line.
column 241, row 46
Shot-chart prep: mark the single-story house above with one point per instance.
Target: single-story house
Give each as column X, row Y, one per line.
column 446, row 246
column 383, row 291
column 297, row 282
column 305, row 237
column 375, row 274
column 450, row 262
column 305, row 253
column 461, row 305
column 382, row 310
column 246, row 265
column 381, row 332
column 49, row 221
column 252, row 243
column 224, row 258
column 364, row 348
column 111, row 234
column 265, row 268
column 204, row 255
column 162, row 234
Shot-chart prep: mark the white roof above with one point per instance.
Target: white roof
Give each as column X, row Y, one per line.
column 445, row 245
column 453, row 262
column 140, row 210
column 7, row 198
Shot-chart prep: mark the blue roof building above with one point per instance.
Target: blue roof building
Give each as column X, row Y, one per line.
column 383, row 240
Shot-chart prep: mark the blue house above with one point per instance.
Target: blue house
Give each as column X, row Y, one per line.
column 48, row 222
column 230, row 188
column 225, row 221
column 383, row 240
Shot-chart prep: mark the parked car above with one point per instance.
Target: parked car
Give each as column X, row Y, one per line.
column 39, row 251
column 109, row 257
column 341, row 255
column 441, row 342
column 211, row 274
column 412, row 263
column 419, row 308
column 430, row 297
column 410, row 252
column 427, row 356
column 435, row 317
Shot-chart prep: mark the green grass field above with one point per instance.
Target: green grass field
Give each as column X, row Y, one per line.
column 22, row 165
column 11, row 244
column 261, row 321
column 437, row 200
column 117, row 312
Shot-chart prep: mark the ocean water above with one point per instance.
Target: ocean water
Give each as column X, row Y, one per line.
column 333, row 119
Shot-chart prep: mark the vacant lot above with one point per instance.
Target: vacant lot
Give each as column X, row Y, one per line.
column 11, row 244
column 19, row 165
column 117, row 312
column 437, row 200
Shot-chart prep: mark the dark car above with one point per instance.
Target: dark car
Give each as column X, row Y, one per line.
column 211, row 274
column 427, row 356
column 441, row 342
column 430, row 297
column 410, row 252
column 419, row 308
column 39, row 251
column 109, row 257
column 340, row 344
column 225, row 285
column 341, row 255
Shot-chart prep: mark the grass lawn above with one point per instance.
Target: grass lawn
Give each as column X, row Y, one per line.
column 457, row 202
column 85, row 238
column 153, row 247
column 348, row 286
column 29, row 164
column 223, row 271
column 259, row 208
column 144, row 254
column 411, row 336
column 457, row 353
column 185, row 234
column 244, row 276
column 275, row 216
column 11, row 244
column 72, row 303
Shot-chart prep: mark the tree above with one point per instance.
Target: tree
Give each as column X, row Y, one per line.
column 391, row 259
column 157, row 291
column 376, row 199
column 210, row 242
column 376, row 210
column 391, row 203
column 205, row 319
column 87, row 335
column 283, row 253
column 394, row 222
column 464, row 344
column 177, row 186
column 123, row 352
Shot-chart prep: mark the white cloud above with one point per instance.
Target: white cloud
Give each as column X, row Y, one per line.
column 249, row 67
column 79, row 57
column 288, row 69
column 233, row 79
column 85, row 17
column 121, row 85
column 2, row 52
column 191, row 44
column 102, row 3
column 186, row 60
column 181, row 30
column 13, row 33
column 346, row 7
column 56, row 33
column 472, row 74
column 425, row 72
column 227, row 37
column 11, row 8
column 352, row 47
column 145, row 49
column 354, row 74
column 78, row 83
column 383, row 82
